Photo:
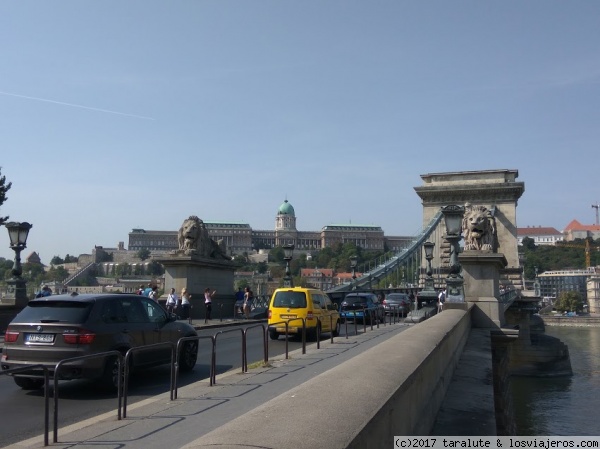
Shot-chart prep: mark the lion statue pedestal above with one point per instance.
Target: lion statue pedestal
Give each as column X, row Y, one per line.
column 199, row 263
column 481, row 267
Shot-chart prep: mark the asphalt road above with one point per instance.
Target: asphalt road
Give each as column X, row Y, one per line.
column 23, row 411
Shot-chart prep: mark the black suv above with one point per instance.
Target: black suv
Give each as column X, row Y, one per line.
column 59, row 327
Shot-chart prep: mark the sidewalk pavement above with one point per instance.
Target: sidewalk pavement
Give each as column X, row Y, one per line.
column 158, row 422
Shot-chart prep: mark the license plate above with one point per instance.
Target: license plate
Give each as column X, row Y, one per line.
column 287, row 317
column 39, row 338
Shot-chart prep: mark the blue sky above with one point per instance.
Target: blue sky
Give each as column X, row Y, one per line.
column 119, row 115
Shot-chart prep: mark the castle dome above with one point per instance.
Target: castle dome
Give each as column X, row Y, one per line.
column 286, row 209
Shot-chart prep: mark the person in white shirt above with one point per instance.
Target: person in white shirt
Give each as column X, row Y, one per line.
column 441, row 300
column 172, row 301
column 185, row 304
column 208, row 302
column 153, row 295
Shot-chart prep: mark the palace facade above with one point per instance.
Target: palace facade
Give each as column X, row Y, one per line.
column 240, row 238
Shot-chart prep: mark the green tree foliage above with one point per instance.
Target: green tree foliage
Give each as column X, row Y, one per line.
column 262, row 267
column 569, row 302
column 71, row 259
column 155, row 268
column 4, row 187
column 56, row 274
column 276, row 254
column 557, row 257
column 56, row 260
column 143, row 254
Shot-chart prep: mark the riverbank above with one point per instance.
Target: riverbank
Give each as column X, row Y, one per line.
column 587, row 320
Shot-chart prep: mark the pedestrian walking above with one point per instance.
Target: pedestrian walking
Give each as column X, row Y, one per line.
column 208, row 296
column 441, row 300
column 248, row 297
column 172, row 301
column 185, row 304
column 239, row 302
column 153, row 295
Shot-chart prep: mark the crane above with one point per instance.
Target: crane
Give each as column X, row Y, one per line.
column 597, row 206
column 587, row 246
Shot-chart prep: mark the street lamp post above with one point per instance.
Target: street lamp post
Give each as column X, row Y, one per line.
column 453, row 216
column 16, row 292
column 428, row 294
column 288, row 252
column 353, row 263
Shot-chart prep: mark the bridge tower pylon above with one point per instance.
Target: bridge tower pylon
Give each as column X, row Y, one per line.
column 497, row 190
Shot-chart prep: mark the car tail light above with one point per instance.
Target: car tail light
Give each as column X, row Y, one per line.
column 269, row 314
column 82, row 337
column 309, row 315
column 11, row 336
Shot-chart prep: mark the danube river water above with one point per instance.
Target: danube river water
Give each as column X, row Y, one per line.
column 566, row 406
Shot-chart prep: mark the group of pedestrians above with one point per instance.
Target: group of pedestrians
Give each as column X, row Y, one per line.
column 182, row 305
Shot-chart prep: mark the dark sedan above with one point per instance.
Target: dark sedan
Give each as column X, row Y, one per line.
column 361, row 306
column 397, row 303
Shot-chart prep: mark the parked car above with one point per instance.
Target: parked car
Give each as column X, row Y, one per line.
column 292, row 304
column 59, row 327
column 356, row 305
column 397, row 303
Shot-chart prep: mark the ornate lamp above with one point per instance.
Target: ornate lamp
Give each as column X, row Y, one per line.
column 16, row 292
column 288, row 252
column 428, row 294
column 353, row 263
column 453, row 216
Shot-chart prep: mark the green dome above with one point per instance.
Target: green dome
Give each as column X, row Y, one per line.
column 286, row 209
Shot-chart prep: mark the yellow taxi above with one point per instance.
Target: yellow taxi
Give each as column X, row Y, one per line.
column 293, row 305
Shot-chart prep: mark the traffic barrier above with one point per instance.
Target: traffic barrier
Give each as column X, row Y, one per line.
column 265, row 345
column 212, row 373
column 63, row 362
column 128, row 356
column 46, row 393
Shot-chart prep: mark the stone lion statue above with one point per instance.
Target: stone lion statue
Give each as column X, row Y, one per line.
column 193, row 238
column 479, row 228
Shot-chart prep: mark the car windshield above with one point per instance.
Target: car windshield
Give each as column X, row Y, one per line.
column 54, row 311
column 290, row 299
column 392, row 297
column 355, row 300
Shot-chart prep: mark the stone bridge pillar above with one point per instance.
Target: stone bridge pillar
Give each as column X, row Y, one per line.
column 497, row 190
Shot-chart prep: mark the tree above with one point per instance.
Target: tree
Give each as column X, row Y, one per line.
column 143, row 254
column 569, row 302
column 70, row 259
column 56, row 261
column 528, row 243
column 4, row 187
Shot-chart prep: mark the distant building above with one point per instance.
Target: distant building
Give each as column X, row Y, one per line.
column 540, row 235
column 240, row 238
column 576, row 230
column 553, row 283
column 321, row 278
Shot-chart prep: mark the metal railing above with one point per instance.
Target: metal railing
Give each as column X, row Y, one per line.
column 46, row 393
column 60, row 364
column 128, row 357
column 124, row 361
column 182, row 341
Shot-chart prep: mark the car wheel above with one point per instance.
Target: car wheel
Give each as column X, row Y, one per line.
column 110, row 379
column 28, row 383
column 188, row 355
column 336, row 330
column 274, row 335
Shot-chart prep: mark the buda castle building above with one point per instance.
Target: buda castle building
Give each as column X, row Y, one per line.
column 240, row 238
